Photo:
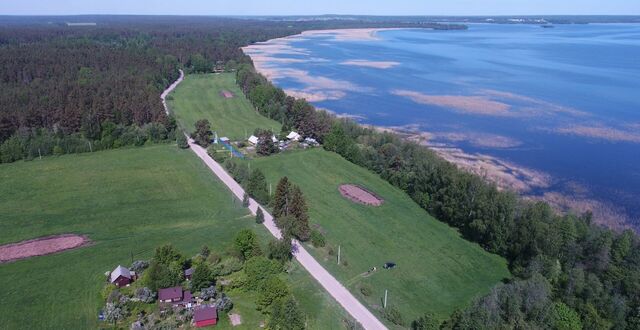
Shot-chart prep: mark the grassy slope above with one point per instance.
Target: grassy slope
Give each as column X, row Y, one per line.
column 437, row 270
column 129, row 200
column 198, row 97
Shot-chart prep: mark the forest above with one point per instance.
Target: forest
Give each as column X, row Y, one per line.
column 569, row 272
column 66, row 86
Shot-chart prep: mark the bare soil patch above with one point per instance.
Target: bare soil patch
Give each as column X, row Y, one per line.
column 236, row 319
column 41, row 246
column 360, row 195
column 226, row 94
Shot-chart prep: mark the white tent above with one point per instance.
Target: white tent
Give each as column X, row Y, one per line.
column 253, row 139
column 293, row 136
column 274, row 139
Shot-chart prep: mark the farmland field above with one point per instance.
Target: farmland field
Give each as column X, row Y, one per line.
column 199, row 97
column 127, row 201
column 437, row 270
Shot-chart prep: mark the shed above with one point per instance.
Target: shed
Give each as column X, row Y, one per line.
column 188, row 273
column 274, row 139
column 205, row 315
column 253, row 139
column 294, row 136
column 121, row 276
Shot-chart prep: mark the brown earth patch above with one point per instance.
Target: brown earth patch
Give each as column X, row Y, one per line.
column 41, row 246
column 226, row 94
column 360, row 195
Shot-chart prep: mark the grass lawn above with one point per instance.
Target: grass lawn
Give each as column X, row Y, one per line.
column 437, row 270
column 198, row 97
column 127, row 201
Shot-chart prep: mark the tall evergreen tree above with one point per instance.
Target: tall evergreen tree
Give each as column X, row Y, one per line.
column 257, row 186
column 299, row 211
column 259, row 216
column 282, row 198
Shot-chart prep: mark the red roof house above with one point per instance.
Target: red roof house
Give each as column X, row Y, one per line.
column 175, row 296
column 205, row 316
column 121, row 276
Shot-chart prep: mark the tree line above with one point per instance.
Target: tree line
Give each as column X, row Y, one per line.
column 568, row 272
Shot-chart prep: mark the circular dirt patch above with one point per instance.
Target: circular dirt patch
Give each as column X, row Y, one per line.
column 41, row 246
column 360, row 195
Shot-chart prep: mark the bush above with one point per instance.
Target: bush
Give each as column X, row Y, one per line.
column 139, row 266
column 280, row 250
column 182, row 142
column 145, row 295
column 317, row 239
column 227, row 266
column 224, row 304
column 365, row 289
column 393, row 315
column 208, row 293
column 259, row 216
column 245, row 200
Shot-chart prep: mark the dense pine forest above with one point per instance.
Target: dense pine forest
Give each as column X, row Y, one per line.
column 569, row 272
column 69, row 88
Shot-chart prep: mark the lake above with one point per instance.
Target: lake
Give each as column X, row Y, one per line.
column 553, row 113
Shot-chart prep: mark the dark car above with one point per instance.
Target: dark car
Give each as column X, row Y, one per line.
column 389, row 265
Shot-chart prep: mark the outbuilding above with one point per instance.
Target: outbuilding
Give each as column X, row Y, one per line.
column 205, row 315
column 188, row 273
column 175, row 296
column 253, row 139
column 294, row 136
column 121, row 276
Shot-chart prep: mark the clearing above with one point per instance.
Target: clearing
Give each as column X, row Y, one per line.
column 127, row 201
column 201, row 96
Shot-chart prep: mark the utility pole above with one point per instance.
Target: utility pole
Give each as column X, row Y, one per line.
column 385, row 299
column 90, row 147
column 338, row 254
column 270, row 189
column 39, row 154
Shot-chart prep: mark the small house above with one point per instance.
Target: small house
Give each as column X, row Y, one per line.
column 253, row 139
column 121, row 276
column 294, row 136
column 175, row 296
column 205, row 315
column 188, row 273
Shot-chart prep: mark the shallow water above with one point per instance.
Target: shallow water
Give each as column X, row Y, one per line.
column 562, row 102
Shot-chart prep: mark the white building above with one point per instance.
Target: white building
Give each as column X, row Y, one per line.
column 253, row 139
column 294, row 136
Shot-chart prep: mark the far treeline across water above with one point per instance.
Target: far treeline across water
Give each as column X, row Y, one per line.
column 76, row 89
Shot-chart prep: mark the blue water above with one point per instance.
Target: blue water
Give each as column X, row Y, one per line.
column 580, row 123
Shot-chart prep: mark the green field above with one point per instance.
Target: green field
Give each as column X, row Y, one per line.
column 127, row 201
column 198, row 97
column 437, row 271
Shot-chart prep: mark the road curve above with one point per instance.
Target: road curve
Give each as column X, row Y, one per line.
column 326, row 280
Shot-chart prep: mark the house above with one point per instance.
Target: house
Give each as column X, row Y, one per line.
column 253, row 139
column 188, row 273
column 175, row 296
column 121, row 276
column 205, row 315
column 294, row 136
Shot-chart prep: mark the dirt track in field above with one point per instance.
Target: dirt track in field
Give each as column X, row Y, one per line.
column 360, row 195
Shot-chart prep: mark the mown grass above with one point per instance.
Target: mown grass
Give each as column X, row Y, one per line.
column 198, row 97
column 127, row 201
column 437, row 272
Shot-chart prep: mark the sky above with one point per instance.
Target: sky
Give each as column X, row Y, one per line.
column 316, row 7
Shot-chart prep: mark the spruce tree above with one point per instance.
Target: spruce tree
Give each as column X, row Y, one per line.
column 299, row 211
column 281, row 198
column 257, row 186
column 259, row 216
column 245, row 200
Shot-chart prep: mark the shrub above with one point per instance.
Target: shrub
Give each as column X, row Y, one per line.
column 208, row 293
column 317, row 239
column 273, row 289
column 280, row 250
column 182, row 142
column 145, row 295
column 139, row 266
column 393, row 315
column 227, row 266
column 245, row 200
column 224, row 304
column 365, row 289
column 259, row 216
